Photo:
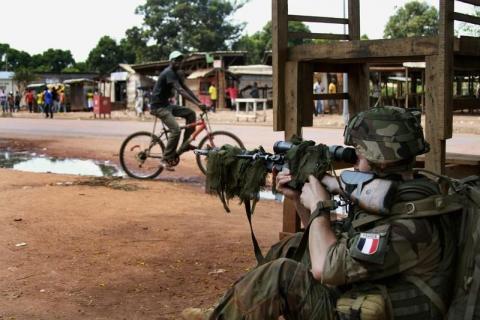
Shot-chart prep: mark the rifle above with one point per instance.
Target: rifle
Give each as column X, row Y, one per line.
column 360, row 188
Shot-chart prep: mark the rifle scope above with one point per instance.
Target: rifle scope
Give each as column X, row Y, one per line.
column 338, row 153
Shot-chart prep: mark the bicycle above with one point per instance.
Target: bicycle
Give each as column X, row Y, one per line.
column 141, row 152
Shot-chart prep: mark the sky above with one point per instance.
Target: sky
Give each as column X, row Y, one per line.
column 35, row 26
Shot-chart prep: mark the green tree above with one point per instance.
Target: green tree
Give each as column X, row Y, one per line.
column 23, row 76
column 52, row 60
column 189, row 25
column 134, row 45
column 77, row 67
column 105, row 56
column 413, row 19
column 261, row 41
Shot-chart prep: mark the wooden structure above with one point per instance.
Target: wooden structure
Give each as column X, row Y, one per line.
column 292, row 94
column 251, row 109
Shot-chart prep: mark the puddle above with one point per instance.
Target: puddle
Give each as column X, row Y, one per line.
column 31, row 162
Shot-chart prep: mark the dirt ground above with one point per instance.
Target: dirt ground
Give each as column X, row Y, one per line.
column 71, row 251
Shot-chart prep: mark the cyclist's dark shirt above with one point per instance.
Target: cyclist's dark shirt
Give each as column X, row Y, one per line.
column 163, row 89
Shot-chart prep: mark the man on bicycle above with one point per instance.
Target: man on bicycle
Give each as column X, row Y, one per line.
column 163, row 108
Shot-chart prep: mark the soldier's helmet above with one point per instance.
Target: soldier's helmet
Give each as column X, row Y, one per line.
column 387, row 134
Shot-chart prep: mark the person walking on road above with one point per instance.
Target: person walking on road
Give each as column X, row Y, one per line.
column 29, row 100
column 213, row 96
column 48, row 103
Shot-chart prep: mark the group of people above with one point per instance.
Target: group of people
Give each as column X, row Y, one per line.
column 231, row 95
column 319, row 88
column 10, row 102
column 47, row 101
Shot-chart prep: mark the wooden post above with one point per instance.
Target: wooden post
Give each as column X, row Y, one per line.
column 407, row 89
column 294, row 100
column 354, row 19
column 435, row 159
column 358, row 88
column 221, row 89
column 445, row 72
column 279, row 58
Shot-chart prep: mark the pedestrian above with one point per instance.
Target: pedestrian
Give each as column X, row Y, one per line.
column 332, row 88
column 254, row 91
column 11, row 102
column 233, row 94
column 40, row 102
column 139, row 102
column 318, row 88
column 213, row 96
column 29, row 100
column 48, row 103
column 61, row 101
column 90, row 100
column 3, row 101
column 55, row 100
column 18, row 98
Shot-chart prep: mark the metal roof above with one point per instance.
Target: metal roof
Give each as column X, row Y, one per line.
column 8, row 75
column 255, row 69
column 70, row 81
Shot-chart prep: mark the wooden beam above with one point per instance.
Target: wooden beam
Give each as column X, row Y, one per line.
column 358, row 88
column 279, row 58
column 474, row 2
column 331, row 96
column 466, row 18
column 305, row 85
column 444, row 111
column 467, row 46
column 354, row 19
column 435, row 159
column 292, row 17
column 311, row 35
column 406, row 48
column 332, row 68
column 293, row 126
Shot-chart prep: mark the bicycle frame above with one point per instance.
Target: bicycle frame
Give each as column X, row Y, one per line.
column 199, row 125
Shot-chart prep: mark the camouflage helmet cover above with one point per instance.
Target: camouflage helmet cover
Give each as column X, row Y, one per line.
column 386, row 134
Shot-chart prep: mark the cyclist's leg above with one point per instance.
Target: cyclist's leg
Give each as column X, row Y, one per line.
column 165, row 114
column 189, row 115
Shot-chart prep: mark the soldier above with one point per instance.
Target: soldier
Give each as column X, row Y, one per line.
column 398, row 267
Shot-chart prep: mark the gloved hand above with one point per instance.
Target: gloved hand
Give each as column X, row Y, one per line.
column 203, row 107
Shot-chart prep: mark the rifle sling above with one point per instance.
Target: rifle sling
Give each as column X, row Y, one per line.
column 256, row 247
column 430, row 206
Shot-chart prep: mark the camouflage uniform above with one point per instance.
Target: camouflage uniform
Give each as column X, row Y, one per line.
column 385, row 252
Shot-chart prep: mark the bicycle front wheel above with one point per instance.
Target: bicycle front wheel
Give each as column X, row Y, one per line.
column 140, row 155
column 216, row 139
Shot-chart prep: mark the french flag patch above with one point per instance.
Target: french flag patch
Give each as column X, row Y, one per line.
column 368, row 243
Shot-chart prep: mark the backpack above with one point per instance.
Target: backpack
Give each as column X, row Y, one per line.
column 466, row 299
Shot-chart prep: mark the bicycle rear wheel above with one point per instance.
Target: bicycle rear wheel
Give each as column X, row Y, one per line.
column 140, row 155
column 215, row 140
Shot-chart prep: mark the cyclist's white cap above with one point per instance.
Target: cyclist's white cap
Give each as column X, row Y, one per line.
column 174, row 55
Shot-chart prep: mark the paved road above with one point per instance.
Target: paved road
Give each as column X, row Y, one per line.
column 253, row 136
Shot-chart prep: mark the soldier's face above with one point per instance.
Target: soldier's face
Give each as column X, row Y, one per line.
column 362, row 164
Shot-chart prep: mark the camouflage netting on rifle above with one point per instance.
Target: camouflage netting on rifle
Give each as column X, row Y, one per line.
column 305, row 159
column 229, row 176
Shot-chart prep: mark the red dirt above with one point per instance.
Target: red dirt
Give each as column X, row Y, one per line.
column 99, row 253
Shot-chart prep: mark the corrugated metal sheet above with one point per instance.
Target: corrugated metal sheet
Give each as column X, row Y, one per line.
column 256, row 69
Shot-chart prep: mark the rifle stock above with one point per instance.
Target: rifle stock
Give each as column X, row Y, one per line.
column 375, row 196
